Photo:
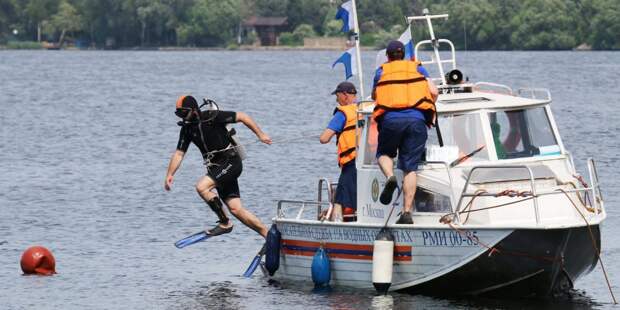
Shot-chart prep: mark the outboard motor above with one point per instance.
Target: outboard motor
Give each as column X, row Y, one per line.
column 272, row 255
column 321, row 273
column 382, row 261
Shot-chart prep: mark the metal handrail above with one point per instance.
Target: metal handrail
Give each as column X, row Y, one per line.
column 464, row 192
column 303, row 203
column 594, row 184
column 437, row 60
column 533, row 92
column 506, row 87
column 320, row 195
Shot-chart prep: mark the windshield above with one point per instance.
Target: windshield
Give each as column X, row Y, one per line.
column 523, row 133
column 462, row 135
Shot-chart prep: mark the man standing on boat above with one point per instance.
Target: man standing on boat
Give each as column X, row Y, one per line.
column 207, row 130
column 343, row 125
column 405, row 106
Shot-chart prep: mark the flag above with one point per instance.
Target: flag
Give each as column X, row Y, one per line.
column 348, row 59
column 407, row 40
column 345, row 12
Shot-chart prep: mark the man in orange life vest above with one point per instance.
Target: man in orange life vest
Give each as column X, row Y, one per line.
column 405, row 106
column 342, row 125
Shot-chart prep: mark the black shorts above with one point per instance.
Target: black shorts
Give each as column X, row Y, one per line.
column 225, row 173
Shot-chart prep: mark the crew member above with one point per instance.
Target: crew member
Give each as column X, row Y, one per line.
column 207, row 130
column 343, row 125
column 405, row 106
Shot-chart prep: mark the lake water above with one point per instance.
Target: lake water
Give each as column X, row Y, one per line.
column 86, row 136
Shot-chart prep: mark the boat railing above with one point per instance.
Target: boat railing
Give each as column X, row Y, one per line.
column 286, row 205
column 329, row 188
column 533, row 92
column 594, row 188
column 595, row 185
column 493, row 87
column 464, row 193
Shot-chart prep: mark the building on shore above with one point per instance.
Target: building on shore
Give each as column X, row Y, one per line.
column 268, row 29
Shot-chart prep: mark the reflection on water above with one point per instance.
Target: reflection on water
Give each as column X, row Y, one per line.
column 216, row 295
column 382, row 302
column 85, row 138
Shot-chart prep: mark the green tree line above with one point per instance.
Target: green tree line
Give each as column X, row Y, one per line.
column 473, row 24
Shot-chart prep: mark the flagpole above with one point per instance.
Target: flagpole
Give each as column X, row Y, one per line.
column 358, row 57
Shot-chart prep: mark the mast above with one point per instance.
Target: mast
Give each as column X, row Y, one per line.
column 358, row 58
column 434, row 42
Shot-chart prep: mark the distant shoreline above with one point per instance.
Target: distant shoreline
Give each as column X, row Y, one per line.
column 269, row 48
column 180, row 48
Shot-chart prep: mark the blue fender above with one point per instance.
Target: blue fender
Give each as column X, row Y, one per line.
column 272, row 255
column 321, row 272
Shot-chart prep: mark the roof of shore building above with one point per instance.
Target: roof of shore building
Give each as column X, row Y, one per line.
column 265, row 21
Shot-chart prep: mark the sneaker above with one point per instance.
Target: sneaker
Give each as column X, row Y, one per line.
column 405, row 218
column 388, row 190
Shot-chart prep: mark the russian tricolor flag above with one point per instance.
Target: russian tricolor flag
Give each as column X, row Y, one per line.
column 345, row 12
column 348, row 59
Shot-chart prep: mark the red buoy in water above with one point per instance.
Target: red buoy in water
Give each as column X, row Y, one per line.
column 38, row 260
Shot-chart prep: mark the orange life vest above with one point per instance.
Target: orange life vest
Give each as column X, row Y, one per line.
column 347, row 138
column 401, row 87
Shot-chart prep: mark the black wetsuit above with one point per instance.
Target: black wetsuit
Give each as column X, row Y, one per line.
column 225, row 167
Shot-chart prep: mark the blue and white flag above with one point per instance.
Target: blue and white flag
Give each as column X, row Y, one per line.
column 345, row 12
column 348, row 59
column 407, row 40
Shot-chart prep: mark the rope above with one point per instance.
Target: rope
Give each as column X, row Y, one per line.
column 447, row 219
column 596, row 249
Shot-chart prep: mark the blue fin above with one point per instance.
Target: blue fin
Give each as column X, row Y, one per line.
column 255, row 262
column 189, row 240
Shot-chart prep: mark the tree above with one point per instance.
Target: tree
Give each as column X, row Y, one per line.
column 605, row 32
column 211, row 23
column 67, row 19
column 312, row 12
column 7, row 17
column 543, row 25
column 271, row 7
column 157, row 15
column 38, row 11
column 384, row 13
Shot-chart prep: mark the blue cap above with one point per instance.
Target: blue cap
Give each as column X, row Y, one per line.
column 345, row 87
column 395, row 46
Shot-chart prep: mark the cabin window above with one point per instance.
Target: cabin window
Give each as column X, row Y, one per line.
column 523, row 133
column 462, row 134
column 428, row 201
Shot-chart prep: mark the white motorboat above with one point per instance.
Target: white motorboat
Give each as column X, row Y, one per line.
column 499, row 208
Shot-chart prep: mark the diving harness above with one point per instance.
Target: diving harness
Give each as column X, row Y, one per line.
column 234, row 146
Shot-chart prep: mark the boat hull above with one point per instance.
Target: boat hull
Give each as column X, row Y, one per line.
column 444, row 261
column 530, row 263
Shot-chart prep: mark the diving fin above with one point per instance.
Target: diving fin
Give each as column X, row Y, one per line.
column 255, row 262
column 189, row 240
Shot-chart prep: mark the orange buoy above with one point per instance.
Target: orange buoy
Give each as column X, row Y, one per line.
column 38, row 260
